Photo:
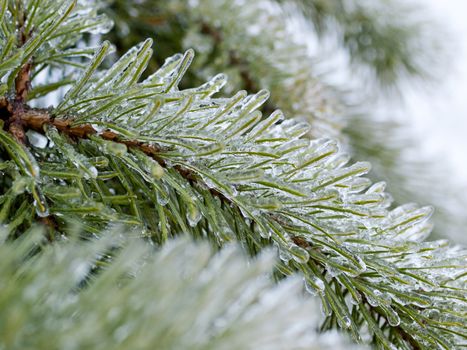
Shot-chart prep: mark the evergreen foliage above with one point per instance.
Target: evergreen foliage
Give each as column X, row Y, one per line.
column 386, row 43
column 122, row 147
column 56, row 299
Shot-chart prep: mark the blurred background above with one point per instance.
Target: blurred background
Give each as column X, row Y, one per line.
column 440, row 115
column 388, row 78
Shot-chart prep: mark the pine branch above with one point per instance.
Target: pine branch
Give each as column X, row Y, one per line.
column 39, row 119
column 227, row 174
column 276, row 62
column 22, row 83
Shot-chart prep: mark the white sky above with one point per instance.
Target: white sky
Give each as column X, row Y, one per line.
column 440, row 115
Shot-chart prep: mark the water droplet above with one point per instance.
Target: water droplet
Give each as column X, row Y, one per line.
column 356, row 299
column 432, row 314
column 314, row 285
column 20, row 184
column 299, row 254
column 36, row 139
column 325, row 308
column 346, row 322
column 391, row 316
column 91, row 173
column 284, row 255
column 162, row 198
column 193, row 215
column 156, row 170
column 116, row 148
column 371, row 300
column 42, row 210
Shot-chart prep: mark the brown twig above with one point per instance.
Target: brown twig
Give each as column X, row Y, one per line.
column 23, row 83
column 36, row 119
column 3, row 102
column 15, row 124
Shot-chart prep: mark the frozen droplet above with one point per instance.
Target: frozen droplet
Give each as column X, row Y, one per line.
column 309, row 288
column 297, row 130
column 36, row 139
column 299, row 254
column 100, row 162
column 372, row 300
column 314, row 285
column 284, row 255
column 20, row 184
column 119, row 149
column 360, row 264
column 30, row 164
column 162, row 198
column 325, row 308
column 262, row 231
column 213, row 85
column 92, row 172
column 356, row 298
column 432, row 314
column 156, row 170
column 98, row 128
column 42, row 210
column 266, row 203
column 333, row 271
column 378, row 187
column 209, row 149
column 193, row 215
column 422, row 301
column 392, row 317
column 98, row 25
column 346, row 322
